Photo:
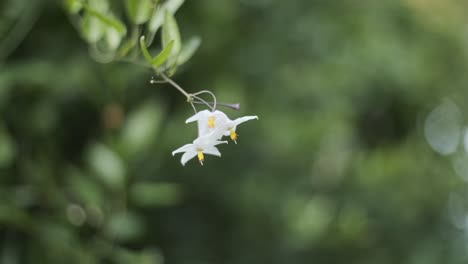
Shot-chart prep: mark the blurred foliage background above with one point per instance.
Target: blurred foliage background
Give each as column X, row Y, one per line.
column 357, row 101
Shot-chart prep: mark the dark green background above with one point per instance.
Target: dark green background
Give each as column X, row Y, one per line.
column 336, row 170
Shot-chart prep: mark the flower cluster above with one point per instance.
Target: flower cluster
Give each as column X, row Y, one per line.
column 212, row 126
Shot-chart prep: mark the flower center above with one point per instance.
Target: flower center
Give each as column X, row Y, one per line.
column 200, row 156
column 233, row 135
column 211, row 122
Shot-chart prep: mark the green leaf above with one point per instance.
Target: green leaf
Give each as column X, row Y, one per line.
column 139, row 11
column 163, row 55
column 170, row 32
column 157, row 18
column 107, row 165
column 91, row 28
column 125, row 226
column 173, row 5
column 141, row 127
column 145, row 51
column 73, row 6
column 188, row 50
column 107, row 20
column 160, row 58
column 113, row 37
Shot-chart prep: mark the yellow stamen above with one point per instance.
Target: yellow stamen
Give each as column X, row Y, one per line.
column 201, row 157
column 233, row 135
column 211, row 122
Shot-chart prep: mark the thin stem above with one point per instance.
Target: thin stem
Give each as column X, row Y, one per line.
column 167, row 79
column 155, row 81
column 210, row 93
column 194, row 109
column 232, row 106
column 203, row 102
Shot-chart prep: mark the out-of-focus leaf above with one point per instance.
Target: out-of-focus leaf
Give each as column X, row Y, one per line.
column 108, row 20
column 173, row 5
column 84, row 188
column 155, row 194
column 145, row 51
column 163, row 55
column 157, row 18
column 170, row 32
column 139, row 11
column 99, row 5
column 125, row 226
column 14, row 216
column 107, row 165
column 73, row 6
column 141, row 127
column 91, row 28
column 113, row 37
column 188, row 49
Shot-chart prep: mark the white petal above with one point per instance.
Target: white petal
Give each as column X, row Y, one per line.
column 187, row 156
column 219, row 142
column 203, row 128
column 216, row 134
column 212, row 151
column 198, row 116
column 184, row 148
column 220, row 117
column 243, row 119
column 209, row 139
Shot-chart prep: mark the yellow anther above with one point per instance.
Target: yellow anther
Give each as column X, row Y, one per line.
column 233, row 135
column 211, row 122
column 201, row 157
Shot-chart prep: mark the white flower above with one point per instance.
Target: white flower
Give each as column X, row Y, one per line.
column 229, row 127
column 217, row 123
column 208, row 121
column 202, row 145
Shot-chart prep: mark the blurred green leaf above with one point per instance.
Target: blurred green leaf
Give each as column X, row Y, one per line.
column 148, row 194
column 11, row 215
column 91, row 28
column 125, row 226
column 188, row 49
column 139, row 11
column 73, row 6
column 141, row 127
column 106, row 19
column 170, row 32
column 85, row 189
column 113, row 37
column 107, row 165
column 157, row 18
column 145, row 51
column 98, row 5
column 173, row 5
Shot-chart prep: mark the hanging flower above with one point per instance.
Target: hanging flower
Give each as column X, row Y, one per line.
column 218, row 123
column 229, row 127
column 200, row 146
